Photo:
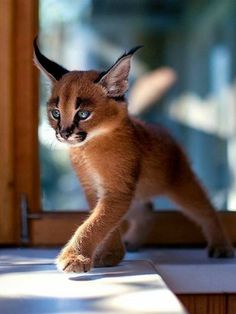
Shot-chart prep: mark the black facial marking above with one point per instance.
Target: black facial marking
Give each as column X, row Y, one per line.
column 76, row 120
column 82, row 136
column 78, row 102
column 54, row 101
column 119, row 98
column 57, row 101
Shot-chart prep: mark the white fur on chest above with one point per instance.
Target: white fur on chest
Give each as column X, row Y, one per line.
column 94, row 179
column 97, row 182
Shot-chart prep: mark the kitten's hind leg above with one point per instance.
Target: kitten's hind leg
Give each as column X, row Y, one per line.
column 111, row 251
column 194, row 203
column 140, row 222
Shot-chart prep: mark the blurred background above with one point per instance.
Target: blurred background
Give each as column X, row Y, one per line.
column 183, row 78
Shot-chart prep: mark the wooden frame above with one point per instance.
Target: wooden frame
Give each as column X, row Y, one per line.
column 19, row 167
column 209, row 303
column 172, row 228
column 26, row 105
column 7, row 203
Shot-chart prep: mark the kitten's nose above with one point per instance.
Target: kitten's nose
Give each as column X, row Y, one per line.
column 65, row 133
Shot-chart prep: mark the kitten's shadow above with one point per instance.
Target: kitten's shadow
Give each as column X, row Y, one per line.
column 94, row 276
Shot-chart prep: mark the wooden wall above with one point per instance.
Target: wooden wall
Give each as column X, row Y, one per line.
column 18, row 113
column 209, row 303
column 7, row 232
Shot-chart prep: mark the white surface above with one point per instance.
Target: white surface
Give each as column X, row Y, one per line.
column 191, row 271
column 30, row 284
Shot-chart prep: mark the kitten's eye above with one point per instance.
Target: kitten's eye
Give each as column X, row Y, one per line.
column 55, row 114
column 83, row 114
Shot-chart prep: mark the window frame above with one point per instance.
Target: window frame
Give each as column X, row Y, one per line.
column 20, row 169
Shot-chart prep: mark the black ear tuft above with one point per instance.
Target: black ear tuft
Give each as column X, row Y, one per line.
column 52, row 70
column 130, row 52
column 115, row 79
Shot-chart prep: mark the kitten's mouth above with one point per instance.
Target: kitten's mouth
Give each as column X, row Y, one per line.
column 73, row 139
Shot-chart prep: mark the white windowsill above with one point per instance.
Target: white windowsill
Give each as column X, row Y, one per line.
column 138, row 285
column 191, row 271
column 33, row 285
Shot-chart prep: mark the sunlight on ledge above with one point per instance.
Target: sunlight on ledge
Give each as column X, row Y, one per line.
column 107, row 292
column 18, row 284
column 144, row 302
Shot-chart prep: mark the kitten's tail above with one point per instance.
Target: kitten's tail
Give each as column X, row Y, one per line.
column 150, row 88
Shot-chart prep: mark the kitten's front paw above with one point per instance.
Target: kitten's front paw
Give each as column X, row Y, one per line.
column 70, row 261
column 221, row 251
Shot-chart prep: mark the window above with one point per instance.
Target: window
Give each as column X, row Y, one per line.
column 196, row 48
column 198, row 110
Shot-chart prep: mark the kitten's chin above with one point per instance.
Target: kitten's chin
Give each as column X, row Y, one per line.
column 74, row 143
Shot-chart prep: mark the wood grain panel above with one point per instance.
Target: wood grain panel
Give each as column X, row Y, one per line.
column 170, row 228
column 7, row 218
column 54, row 229
column 19, row 168
column 205, row 303
column 26, row 104
column 231, row 304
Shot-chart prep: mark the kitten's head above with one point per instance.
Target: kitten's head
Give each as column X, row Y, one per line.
column 84, row 104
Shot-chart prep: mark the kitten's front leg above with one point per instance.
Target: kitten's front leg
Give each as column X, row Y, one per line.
column 77, row 255
column 111, row 251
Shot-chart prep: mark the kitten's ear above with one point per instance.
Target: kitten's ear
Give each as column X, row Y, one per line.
column 115, row 79
column 50, row 68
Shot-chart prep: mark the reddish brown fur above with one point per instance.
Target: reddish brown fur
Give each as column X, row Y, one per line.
column 128, row 163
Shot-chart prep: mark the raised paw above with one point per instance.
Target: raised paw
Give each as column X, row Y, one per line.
column 221, row 251
column 70, row 261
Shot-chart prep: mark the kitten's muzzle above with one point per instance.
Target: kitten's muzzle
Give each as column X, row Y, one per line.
column 68, row 136
column 66, row 133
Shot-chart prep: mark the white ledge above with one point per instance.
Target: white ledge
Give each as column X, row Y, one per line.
column 29, row 283
column 191, row 271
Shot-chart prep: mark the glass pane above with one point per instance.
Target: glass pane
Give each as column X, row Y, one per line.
column 194, row 39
